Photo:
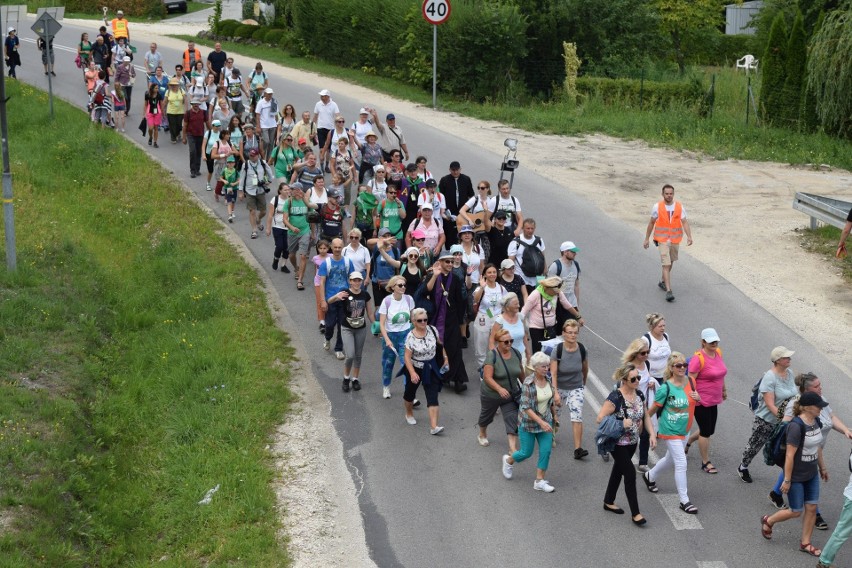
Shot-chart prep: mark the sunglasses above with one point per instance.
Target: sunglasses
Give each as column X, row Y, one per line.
column 679, row 365
column 418, row 240
column 340, row 121
column 632, row 380
column 481, row 187
column 424, row 320
column 351, row 237
column 643, row 353
column 390, row 192
column 400, row 285
column 505, row 342
column 414, row 256
column 457, row 254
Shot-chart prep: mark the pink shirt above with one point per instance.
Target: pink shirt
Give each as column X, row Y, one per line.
column 710, row 379
column 533, row 310
column 317, row 260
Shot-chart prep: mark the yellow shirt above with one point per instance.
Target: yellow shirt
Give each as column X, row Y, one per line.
column 174, row 102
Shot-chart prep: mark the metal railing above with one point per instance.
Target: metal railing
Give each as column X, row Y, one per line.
column 822, row 209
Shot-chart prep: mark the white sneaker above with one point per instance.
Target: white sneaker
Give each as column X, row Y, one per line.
column 209, row 188
column 483, row 441
column 339, row 355
column 326, row 344
column 410, row 420
column 543, row 485
column 507, row 467
column 643, row 468
column 436, row 430
column 386, row 392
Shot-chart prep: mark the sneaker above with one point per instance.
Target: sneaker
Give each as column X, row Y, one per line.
column 326, row 344
column 744, row 474
column 386, row 392
column 254, row 234
column 339, row 355
column 580, row 453
column 507, row 467
column 483, row 441
column 345, row 385
column 669, row 296
column 230, row 218
column 275, row 264
column 356, row 385
column 411, row 420
column 415, row 403
column 261, row 227
column 820, row 523
column 322, row 328
column 643, row 468
column 156, row 145
column 436, row 430
column 208, row 187
column 777, row 500
column 662, row 285
column 543, row 485
column 284, row 268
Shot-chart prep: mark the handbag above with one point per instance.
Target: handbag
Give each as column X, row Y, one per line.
column 547, row 329
column 516, row 394
column 78, row 62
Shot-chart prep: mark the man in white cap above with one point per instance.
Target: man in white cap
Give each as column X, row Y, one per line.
column 124, row 75
column 120, row 26
column 324, row 112
column 267, row 111
column 567, row 268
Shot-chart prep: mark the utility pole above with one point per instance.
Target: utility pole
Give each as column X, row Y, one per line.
column 8, row 209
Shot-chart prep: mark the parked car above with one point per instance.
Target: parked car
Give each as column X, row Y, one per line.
column 175, row 6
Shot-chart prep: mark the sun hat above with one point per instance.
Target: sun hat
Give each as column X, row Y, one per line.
column 780, row 352
column 456, row 249
column 325, row 93
column 465, row 229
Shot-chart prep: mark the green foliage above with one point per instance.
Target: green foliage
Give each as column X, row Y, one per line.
column 115, row 331
column 774, row 71
column 830, row 72
column 810, row 10
column 795, row 65
column 245, row 31
column 572, row 66
column 259, row 33
column 722, row 50
column 273, row 37
column 547, row 28
column 228, row 27
column 809, row 119
column 627, row 92
column 686, row 22
column 248, row 10
column 132, row 8
column 215, row 19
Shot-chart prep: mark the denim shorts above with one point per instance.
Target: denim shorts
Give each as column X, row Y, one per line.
column 803, row 493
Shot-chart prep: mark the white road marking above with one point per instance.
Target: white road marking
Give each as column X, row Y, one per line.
column 711, row 564
column 681, row 521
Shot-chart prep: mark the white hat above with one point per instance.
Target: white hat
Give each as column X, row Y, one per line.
column 363, row 111
column 356, row 276
column 268, row 91
column 426, row 205
column 121, row 12
column 507, row 264
column 325, row 93
column 10, row 30
column 216, row 122
column 568, row 245
column 125, row 58
column 709, row 335
column 780, row 352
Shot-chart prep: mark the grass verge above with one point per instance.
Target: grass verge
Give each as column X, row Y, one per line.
column 34, row 5
column 723, row 136
column 140, row 364
column 823, row 240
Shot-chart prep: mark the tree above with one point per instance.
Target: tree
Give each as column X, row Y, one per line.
column 794, row 66
column 684, row 20
column 830, row 72
column 774, row 70
column 808, row 117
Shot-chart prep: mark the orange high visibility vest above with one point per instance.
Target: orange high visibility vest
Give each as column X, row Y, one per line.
column 119, row 28
column 187, row 64
column 665, row 229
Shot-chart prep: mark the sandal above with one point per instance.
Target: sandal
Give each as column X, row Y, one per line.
column 688, row 507
column 652, row 487
column 709, row 468
column 300, row 286
column 686, row 449
column 765, row 527
column 809, row 548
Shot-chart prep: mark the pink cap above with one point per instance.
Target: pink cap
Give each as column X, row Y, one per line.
column 418, row 234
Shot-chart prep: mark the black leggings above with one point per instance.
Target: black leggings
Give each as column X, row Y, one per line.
column 705, row 417
column 280, row 236
column 622, row 467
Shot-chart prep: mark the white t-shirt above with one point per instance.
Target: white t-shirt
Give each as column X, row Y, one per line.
column 267, row 117
column 513, row 251
column 361, row 131
column 512, row 204
column 490, row 300
column 360, row 258
column 670, row 209
column 277, row 214
column 398, row 313
column 472, row 261
column 325, row 114
column 439, row 202
column 475, row 205
column 380, row 190
column 569, row 276
column 658, row 354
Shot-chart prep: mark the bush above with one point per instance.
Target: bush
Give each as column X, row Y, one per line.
column 227, row 27
column 773, row 70
column 259, row 33
column 656, row 94
column 245, row 31
column 273, row 37
column 132, row 8
column 723, row 50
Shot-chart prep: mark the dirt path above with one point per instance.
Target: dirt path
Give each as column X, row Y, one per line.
column 744, row 229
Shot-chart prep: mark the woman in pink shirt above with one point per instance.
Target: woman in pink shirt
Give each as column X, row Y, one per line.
column 540, row 310
column 707, row 370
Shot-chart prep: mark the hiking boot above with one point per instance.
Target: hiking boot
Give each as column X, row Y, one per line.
column 744, row 474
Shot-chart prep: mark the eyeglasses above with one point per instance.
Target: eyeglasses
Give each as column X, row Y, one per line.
column 632, row 379
column 401, row 285
column 679, row 365
column 457, row 254
column 424, row 320
column 643, row 353
column 351, row 237
column 449, row 260
column 481, row 187
column 505, row 341
column 340, row 121
column 418, row 240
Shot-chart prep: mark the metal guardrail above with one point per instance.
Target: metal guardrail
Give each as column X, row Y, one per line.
column 822, row 209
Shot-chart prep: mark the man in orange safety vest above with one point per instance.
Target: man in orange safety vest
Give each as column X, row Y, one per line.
column 668, row 223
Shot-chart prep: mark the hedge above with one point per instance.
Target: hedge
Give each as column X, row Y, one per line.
column 723, row 50
column 259, row 34
column 227, row 27
column 245, row 31
column 273, row 37
column 132, row 8
column 655, row 94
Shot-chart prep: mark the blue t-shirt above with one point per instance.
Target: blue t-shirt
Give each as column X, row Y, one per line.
column 337, row 277
column 381, row 269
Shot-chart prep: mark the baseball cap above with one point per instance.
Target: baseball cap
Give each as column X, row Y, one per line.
column 248, row 125
column 709, row 335
column 333, row 194
column 500, row 215
column 303, row 141
column 568, row 245
column 231, row 159
column 390, row 116
column 507, row 264
column 216, row 122
column 10, row 30
column 418, row 234
column 780, row 352
column 426, row 205
column 120, row 12
column 431, row 183
column 812, row 399
column 356, row 276
column 363, row 111
column 297, row 186
column 268, row 91
column 325, row 93
column 126, row 58
column 254, row 152
column 384, row 231
column 378, row 168
column 194, row 102
column 412, row 167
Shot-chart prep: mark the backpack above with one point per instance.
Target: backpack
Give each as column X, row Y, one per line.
column 350, row 268
column 558, row 264
column 99, row 96
column 754, row 400
column 532, row 259
column 699, row 354
column 582, row 352
column 775, row 450
column 666, row 399
column 512, row 213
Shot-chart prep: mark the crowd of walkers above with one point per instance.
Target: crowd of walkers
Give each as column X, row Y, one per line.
column 434, row 265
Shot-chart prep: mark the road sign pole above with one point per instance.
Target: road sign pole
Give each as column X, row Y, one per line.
column 8, row 209
column 434, row 66
column 47, row 50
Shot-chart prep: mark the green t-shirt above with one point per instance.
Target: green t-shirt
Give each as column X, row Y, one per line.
column 514, row 366
column 232, row 179
column 298, row 212
column 389, row 212
column 674, row 421
column 284, row 160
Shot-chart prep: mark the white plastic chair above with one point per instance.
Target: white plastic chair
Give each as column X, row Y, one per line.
column 747, row 62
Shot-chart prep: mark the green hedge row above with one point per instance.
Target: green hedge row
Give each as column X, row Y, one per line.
column 723, row 50
column 656, row 94
column 131, row 8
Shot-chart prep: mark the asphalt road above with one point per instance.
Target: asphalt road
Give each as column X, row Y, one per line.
column 435, row 501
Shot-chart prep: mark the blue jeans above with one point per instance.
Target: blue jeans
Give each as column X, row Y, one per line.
column 777, row 488
column 528, row 440
column 333, row 317
column 397, row 338
column 840, row 535
column 803, row 493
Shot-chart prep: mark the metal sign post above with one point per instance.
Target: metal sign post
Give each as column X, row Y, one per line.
column 47, row 27
column 435, row 12
column 8, row 210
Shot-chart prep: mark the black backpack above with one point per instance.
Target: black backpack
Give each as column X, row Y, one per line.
column 532, row 259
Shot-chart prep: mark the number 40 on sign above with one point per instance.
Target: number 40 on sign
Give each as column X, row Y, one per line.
column 436, row 11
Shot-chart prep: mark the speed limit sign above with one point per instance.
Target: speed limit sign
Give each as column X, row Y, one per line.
column 436, row 11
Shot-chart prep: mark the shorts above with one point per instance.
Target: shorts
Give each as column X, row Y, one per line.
column 231, row 197
column 668, row 253
column 705, row 417
column 573, row 399
column 102, row 115
column 299, row 242
column 238, row 107
column 256, row 202
column 803, row 493
column 210, row 163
